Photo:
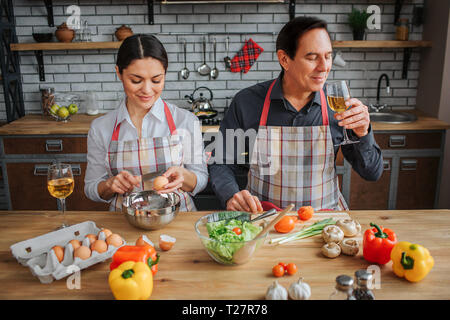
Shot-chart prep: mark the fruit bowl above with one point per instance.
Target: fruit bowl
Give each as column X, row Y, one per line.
column 64, row 107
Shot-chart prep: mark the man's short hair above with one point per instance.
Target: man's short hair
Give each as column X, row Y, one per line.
column 289, row 36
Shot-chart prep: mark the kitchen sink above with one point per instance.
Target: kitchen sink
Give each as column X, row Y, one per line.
column 392, row 117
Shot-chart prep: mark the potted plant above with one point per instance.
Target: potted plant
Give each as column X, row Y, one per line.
column 358, row 22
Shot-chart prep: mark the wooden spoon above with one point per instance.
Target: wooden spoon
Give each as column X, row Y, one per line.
column 244, row 253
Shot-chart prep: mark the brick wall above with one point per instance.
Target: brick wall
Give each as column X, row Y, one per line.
column 78, row 71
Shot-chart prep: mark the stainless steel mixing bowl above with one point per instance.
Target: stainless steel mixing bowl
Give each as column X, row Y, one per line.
column 150, row 210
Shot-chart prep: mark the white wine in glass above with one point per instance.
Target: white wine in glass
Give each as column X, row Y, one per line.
column 60, row 184
column 337, row 94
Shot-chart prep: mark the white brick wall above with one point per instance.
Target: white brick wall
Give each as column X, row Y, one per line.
column 77, row 71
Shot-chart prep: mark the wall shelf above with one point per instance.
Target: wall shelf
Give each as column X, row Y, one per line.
column 38, row 48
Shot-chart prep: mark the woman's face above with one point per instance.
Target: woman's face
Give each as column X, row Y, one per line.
column 312, row 62
column 143, row 82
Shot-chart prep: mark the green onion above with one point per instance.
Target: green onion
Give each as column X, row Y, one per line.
column 307, row 232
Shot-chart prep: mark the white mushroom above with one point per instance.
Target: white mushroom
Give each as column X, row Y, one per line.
column 349, row 247
column 332, row 233
column 350, row 227
column 331, row 250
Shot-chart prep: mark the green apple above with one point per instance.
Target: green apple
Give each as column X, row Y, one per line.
column 73, row 108
column 54, row 109
column 63, row 112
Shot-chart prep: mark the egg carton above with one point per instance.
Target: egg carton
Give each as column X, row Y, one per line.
column 37, row 253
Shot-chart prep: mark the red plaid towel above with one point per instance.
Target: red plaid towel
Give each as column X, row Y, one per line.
column 246, row 57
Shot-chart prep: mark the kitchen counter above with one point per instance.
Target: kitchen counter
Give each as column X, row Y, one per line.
column 80, row 124
column 187, row 272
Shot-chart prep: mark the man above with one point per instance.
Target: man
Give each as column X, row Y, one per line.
column 298, row 135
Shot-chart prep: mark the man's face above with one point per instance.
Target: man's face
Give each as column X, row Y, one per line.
column 312, row 62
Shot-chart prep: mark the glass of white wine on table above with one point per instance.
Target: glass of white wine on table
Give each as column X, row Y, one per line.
column 337, row 94
column 60, row 184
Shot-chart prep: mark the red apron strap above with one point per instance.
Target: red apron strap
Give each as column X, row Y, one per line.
column 324, row 106
column 169, row 118
column 265, row 112
column 115, row 135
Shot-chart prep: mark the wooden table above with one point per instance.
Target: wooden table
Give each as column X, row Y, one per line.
column 187, row 272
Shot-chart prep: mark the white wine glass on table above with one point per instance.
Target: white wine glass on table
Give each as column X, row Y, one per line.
column 337, row 94
column 60, row 184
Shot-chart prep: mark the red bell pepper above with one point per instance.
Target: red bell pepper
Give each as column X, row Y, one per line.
column 378, row 243
column 146, row 254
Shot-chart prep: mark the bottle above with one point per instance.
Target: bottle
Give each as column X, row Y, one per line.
column 344, row 288
column 362, row 291
column 402, row 32
column 47, row 99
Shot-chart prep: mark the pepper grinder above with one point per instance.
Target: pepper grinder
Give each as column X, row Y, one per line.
column 362, row 291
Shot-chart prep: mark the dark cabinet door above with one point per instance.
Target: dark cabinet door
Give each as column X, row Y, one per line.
column 417, row 182
column 371, row 195
column 28, row 188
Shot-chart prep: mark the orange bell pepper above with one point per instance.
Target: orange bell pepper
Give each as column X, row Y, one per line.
column 146, row 254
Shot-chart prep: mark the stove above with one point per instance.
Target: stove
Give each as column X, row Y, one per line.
column 211, row 122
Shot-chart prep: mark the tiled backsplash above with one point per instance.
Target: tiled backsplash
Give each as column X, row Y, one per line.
column 81, row 70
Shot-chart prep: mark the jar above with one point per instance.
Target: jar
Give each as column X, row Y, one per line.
column 64, row 33
column 402, row 32
column 91, row 103
column 123, row 32
column 362, row 291
column 47, row 99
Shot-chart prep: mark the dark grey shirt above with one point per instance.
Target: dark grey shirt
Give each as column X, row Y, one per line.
column 245, row 113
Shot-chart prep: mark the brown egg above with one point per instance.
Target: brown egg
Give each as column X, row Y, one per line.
column 82, row 252
column 159, row 183
column 114, row 240
column 106, row 232
column 75, row 244
column 99, row 245
column 59, row 252
column 91, row 237
column 166, row 242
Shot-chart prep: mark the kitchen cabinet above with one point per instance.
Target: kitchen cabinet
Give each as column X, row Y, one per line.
column 24, row 170
column 411, row 175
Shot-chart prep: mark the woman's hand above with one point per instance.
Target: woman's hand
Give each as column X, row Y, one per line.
column 356, row 118
column 244, row 201
column 123, row 182
column 179, row 178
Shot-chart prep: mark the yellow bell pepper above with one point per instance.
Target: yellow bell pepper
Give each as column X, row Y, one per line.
column 131, row 281
column 411, row 261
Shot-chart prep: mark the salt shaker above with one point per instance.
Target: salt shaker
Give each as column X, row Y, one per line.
column 343, row 289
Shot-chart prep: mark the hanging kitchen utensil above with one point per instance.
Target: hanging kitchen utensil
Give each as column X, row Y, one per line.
column 214, row 71
column 185, row 71
column 227, row 59
column 204, row 69
column 201, row 106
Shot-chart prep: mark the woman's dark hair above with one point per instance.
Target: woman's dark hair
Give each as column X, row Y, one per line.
column 289, row 36
column 140, row 46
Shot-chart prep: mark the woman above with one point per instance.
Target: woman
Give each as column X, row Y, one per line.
column 144, row 134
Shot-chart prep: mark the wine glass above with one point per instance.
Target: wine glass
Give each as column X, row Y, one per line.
column 60, row 184
column 337, row 94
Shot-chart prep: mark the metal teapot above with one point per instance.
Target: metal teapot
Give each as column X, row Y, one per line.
column 202, row 107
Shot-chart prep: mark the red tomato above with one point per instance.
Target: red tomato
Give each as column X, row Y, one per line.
column 291, row 269
column 305, row 213
column 285, row 225
column 284, row 265
column 278, row 270
column 237, row 230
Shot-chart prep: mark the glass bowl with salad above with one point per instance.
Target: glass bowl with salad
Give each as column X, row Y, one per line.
column 222, row 239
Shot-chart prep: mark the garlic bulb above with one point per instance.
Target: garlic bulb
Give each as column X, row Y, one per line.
column 300, row 290
column 276, row 292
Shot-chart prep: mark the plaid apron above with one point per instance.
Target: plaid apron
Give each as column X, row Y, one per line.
column 295, row 164
column 141, row 156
